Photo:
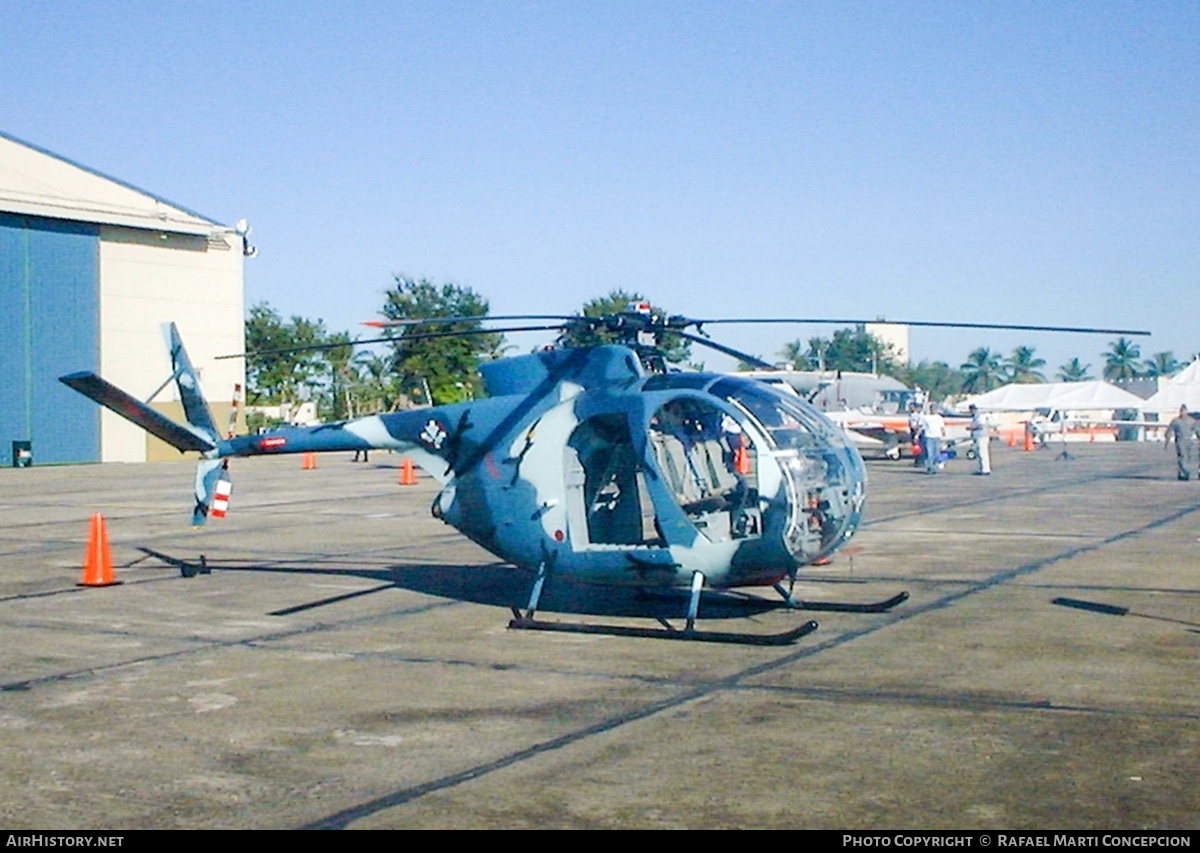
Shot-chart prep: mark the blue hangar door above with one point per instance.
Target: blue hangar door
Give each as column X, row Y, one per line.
column 49, row 325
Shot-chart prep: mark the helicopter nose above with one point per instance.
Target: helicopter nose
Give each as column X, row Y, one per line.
column 825, row 496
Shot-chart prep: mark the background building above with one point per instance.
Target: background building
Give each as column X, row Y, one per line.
column 892, row 334
column 90, row 269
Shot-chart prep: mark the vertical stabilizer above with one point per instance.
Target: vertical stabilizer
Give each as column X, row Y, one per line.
column 195, row 409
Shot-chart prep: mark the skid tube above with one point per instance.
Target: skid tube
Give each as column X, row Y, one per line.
column 786, row 638
column 843, row 606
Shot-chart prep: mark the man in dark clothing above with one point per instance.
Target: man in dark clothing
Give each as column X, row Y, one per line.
column 1184, row 431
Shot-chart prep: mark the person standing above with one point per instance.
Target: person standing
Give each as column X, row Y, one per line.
column 934, row 430
column 1183, row 430
column 915, row 422
column 982, row 437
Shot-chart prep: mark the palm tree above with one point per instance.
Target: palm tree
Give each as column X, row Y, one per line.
column 377, row 374
column 1161, row 364
column 1121, row 361
column 1073, row 371
column 982, row 369
column 342, row 376
column 817, row 347
column 793, row 353
column 1022, row 367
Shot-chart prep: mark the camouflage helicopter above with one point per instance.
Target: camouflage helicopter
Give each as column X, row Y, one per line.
column 594, row 464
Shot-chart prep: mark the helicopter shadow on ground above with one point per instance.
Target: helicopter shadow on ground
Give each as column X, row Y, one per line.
column 499, row 585
column 503, row 585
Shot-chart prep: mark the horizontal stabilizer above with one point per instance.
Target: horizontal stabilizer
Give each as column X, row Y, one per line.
column 111, row 397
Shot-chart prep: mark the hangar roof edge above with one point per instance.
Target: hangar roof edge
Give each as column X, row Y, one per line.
column 117, row 204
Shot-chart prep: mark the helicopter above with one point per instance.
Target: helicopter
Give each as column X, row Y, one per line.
column 594, row 464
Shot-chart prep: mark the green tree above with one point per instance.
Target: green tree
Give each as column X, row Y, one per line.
column 938, row 379
column 380, row 387
column 447, row 365
column 849, row 349
column 981, row 371
column 280, row 369
column 1161, row 364
column 1022, row 367
column 1121, row 360
column 344, row 385
column 799, row 354
column 1074, row 371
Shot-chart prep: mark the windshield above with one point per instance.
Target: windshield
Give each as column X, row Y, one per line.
column 788, row 423
column 822, row 474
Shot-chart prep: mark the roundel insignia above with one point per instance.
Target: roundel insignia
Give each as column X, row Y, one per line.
column 433, row 435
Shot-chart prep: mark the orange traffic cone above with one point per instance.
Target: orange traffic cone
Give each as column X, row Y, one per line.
column 1012, row 438
column 97, row 560
column 310, row 462
column 1028, row 439
column 407, row 476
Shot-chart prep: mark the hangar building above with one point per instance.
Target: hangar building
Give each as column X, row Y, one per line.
column 90, row 269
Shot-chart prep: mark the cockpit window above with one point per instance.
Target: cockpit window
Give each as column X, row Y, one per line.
column 789, row 425
column 709, row 467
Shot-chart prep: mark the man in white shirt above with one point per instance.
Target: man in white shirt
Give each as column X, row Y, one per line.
column 982, row 437
column 934, row 430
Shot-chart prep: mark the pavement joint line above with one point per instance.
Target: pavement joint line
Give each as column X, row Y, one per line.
column 340, row 819
column 525, row 669
column 961, row 701
column 957, row 582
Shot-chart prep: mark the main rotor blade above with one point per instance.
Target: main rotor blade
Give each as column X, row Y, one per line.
column 387, row 324
column 421, row 336
column 730, row 351
column 1015, row 327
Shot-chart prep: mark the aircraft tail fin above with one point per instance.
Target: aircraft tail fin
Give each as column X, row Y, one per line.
column 200, row 432
column 187, row 381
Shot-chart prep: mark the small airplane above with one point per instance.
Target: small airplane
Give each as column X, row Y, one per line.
column 891, row 435
column 872, row 410
column 593, row 464
column 833, row 390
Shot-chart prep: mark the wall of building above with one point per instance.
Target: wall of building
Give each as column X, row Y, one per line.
column 48, row 302
column 149, row 279
column 90, row 270
column 893, row 334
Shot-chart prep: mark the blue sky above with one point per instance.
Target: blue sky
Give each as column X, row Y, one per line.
column 1022, row 162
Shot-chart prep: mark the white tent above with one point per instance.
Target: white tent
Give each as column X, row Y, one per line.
column 1096, row 395
column 1182, row 390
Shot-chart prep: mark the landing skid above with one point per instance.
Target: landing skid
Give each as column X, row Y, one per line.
column 526, row 622
column 843, row 606
column 786, row 638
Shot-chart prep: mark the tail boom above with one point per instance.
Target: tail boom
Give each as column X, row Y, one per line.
column 414, row 433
